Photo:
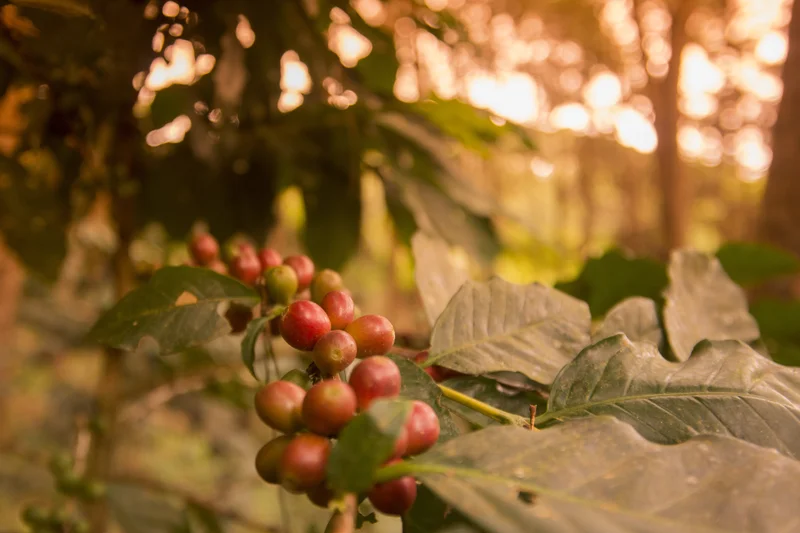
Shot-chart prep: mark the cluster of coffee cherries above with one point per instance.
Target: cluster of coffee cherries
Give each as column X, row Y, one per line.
column 309, row 419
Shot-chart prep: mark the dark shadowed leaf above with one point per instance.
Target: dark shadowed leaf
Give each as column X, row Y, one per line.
column 430, row 513
column 599, row 475
column 176, row 309
column 438, row 276
column 749, row 263
column 703, row 303
column 365, row 444
column 724, row 388
column 779, row 322
column 636, row 317
column 253, row 332
column 497, row 325
column 489, row 391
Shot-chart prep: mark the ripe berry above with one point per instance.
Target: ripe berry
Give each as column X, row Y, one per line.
column 339, row 307
column 334, row 352
column 281, row 282
column 303, row 464
column 204, row 248
column 238, row 317
column 324, row 282
column 320, row 495
column 245, row 266
column 394, row 497
column 269, row 457
column 374, row 335
column 304, row 267
column 423, row 428
column 436, row 372
column 328, row 407
column 279, row 404
column 303, row 324
column 373, row 378
column 218, row 266
column 401, row 444
column 237, row 245
column 269, row 257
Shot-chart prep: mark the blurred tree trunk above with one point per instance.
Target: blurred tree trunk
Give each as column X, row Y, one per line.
column 780, row 223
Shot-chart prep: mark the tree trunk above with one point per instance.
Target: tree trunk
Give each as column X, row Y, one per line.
column 779, row 222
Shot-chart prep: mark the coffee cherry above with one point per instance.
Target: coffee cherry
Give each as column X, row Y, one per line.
column 328, row 407
column 218, row 266
column 204, row 248
column 298, row 377
column 374, row 335
column 304, row 267
column 238, row 316
column 423, row 428
column 245, row 266
column 436, row 372
column 334, row 352
column 401, row 444
column 279, row 404
column 303, row 324
column 269, row 257
column 68, row 483
column 339, row 307
column 320, row 495
column 324, row 282
column 375, row 377
column 269, row 457
column 237, row 245
column 394, row 497
column 303, row 464
column 281, row 282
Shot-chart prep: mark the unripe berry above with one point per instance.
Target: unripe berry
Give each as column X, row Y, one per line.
column 298, row 377
column 279, row 404
column 374, row 335
column 68, row 483
column 373, row 378
column 423, row 428
column 339, row 307
column 245, row 267
column 320, row 495
column 304, row 461
column 237, row 245
column 304, row 267
column 238, row 317
column 303, row 324
column 204, row 248
column 328, row 407
column 394, row 497
column 334, row 352
column 268, row 458
column 269, row 257
column 218, row 266
column 281, row 282
column 325, row 281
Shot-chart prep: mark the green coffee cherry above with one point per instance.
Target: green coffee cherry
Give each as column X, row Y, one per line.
column 281, row 282
column 91, row 490
column 68, row 483
column 298, row 377
column 325, row 281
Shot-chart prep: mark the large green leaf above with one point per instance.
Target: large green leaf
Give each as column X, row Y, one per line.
column 438, row 276
column 779, row 322
column 418, row 385
column 497, row 325
column 636, row 317
column 254, row 330
column 703, row 303
column 724, row 388
column 429, row 513
column 601, row 476
column 749, row 263
column 178, row 308
column 510, row 399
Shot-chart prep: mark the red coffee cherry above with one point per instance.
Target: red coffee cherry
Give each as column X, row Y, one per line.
column 320, row 495
column 269, row 457
column 436, row 372
column 303, row 324
column 304, row 267
column 334, row 352
column 339, row 307
column 303, row 463
column 218, row 266
column 375, row 377
column 238, row 317
column 281, row 283
column 401, row 444
column 245, row 266
column 204, row 248
column 394, row 497
column 268, row 258
column 423, row 428
column 325, row 281
column 328, row 407
column 374, row 335
column 279, row 405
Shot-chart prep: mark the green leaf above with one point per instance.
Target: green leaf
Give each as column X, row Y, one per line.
column 779, row 322
column 176, row 309
column 438, row 276
column 489, row 391
column 636, row 317
column 724, row 388
column 418, row 385
column 599, row 475
column 253, row 332
column 607, row 280
column 169, row 103
column 751, row 263
column 365, row 444
column 497, row 325
column 703, row 303
column 430, row 513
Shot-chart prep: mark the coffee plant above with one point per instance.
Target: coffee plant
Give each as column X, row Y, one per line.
column 524, row 414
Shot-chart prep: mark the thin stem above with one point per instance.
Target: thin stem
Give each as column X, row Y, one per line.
column 485, row 409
